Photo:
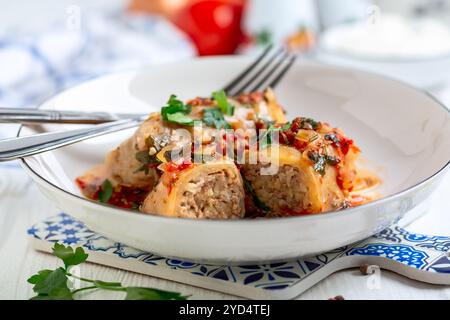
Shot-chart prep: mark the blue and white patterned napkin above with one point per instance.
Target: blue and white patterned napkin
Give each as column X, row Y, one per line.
column 35, row 65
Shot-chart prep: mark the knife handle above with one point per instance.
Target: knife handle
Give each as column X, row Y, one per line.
column 33, row 116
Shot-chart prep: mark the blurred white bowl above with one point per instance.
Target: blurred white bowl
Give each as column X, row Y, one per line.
column 413, row 51
column 423, row 73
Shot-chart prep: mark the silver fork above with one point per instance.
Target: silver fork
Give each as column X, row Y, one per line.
column 266, row 71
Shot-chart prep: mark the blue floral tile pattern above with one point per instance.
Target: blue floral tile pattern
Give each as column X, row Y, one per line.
column 405, row 254
column 397, row 234
column 420, row 252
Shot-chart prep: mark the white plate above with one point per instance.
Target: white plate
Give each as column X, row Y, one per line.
column 404, row 132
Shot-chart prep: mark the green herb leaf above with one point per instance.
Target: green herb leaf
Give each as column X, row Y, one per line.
column 106, row 285
column 321, row 161
column 55, row 294
column 309, row 124
column 180, row 118
column 176, row 112
column 332, row 161
column 69, row 256
column 39, row 277
column 143, row 157
column 266, row 138
column 105, row 192
column 146, row 160
column 53, row 285
column 286, row 127
column 258, row 203
column 222, row 103
column 214, row 118
column 137, row 293
column 333, row 138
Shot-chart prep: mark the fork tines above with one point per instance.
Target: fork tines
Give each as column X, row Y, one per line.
column 266, row 71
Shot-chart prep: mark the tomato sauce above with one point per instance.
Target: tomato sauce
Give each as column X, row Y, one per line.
column 174, row 169
column 122, row 197
column 292, row 213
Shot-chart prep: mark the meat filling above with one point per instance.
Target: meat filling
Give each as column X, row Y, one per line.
column 216, row 196
column 204, row 192
column 281, row 193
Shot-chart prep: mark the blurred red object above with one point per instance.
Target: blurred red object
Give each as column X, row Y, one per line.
column 214, row 26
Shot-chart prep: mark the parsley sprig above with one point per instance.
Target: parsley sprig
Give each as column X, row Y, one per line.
column 54, row 284
column 177, row 112
column 222, row 103
column 106, row 191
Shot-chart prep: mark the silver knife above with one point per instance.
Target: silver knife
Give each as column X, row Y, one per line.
column 24, row 146
column 34, row 116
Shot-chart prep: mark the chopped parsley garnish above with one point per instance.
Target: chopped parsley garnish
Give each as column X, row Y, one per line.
column 180, row 118
column 321, row 161
column 258, row 203
column 266, row 138
column 333, row 138
column 53, row 284
column 147, row 160
column 309, row 124
column 177, row 112
column 222, row 103
column 287, row 126
column 106, row 191
column 332, row 161
column 214, row 118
